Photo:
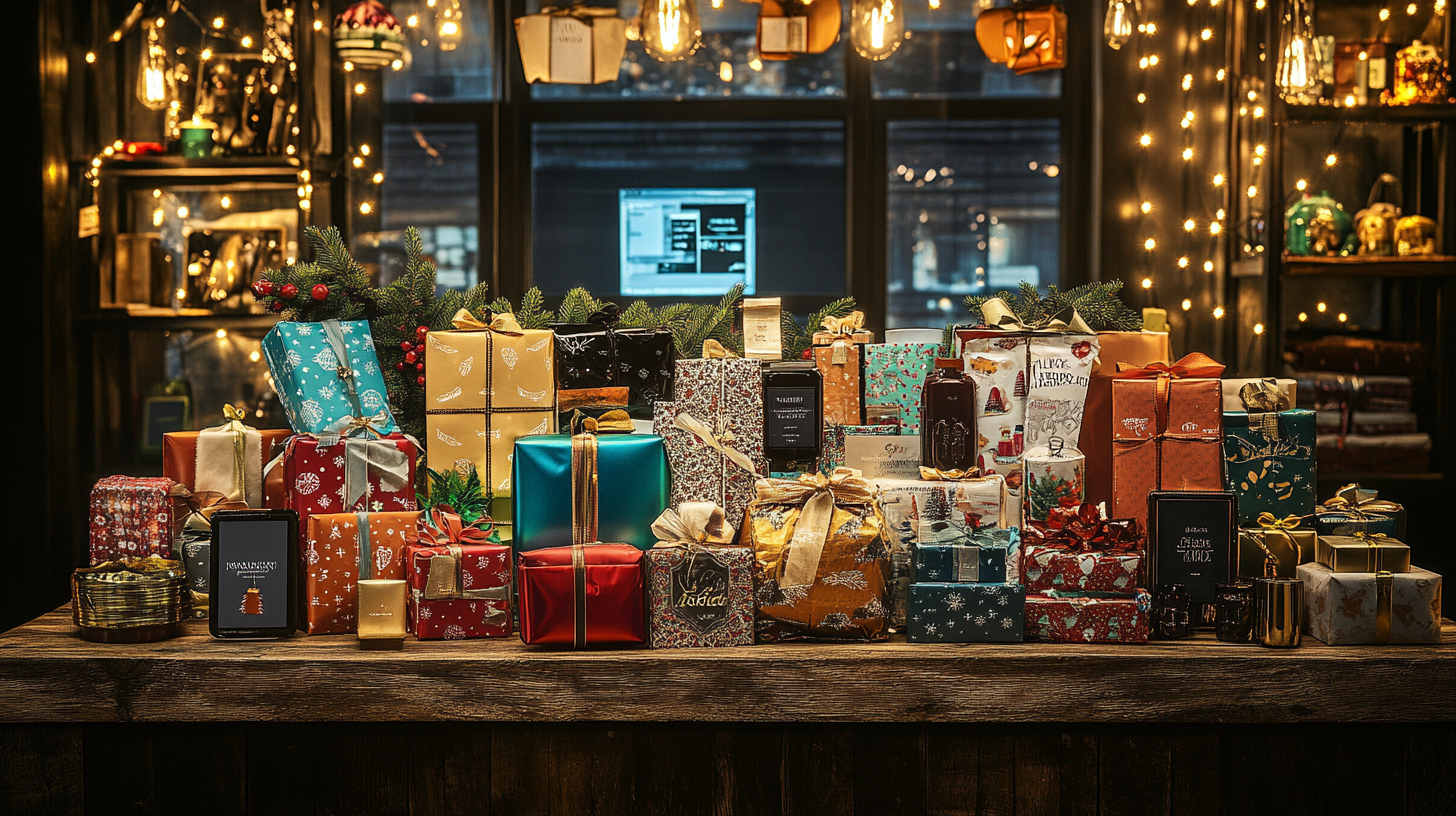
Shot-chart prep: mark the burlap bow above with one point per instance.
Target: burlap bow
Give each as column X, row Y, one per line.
column 1263, row 400
column 201, row 505
column 1082, row 529
column 446, row 578
column 720, row 439
column 817, row 494
column 713, row 350
column 996, row 314
column 692, row 524
column 1360, row 501
column 930, row 474
column 502, row 323
column 1275, row 526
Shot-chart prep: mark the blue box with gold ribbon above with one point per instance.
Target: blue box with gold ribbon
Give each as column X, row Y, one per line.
column 623, row 478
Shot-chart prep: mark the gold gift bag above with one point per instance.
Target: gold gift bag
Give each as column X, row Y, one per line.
column 486, row 386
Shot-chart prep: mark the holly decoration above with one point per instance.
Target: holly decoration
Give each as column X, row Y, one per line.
column 288, row 291
column 320, row 291
column 1096, row 302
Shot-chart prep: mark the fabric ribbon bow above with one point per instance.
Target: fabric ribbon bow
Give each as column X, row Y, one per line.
column 1360, row 502
column 611, row 421
column 996, row 314
column 692, row 524
column 367, row 453
column 1374, row 551
column 713, row 350
column 1193, row 365
column 930, row 474
column 446, row 578
column 201, row 505
column 844, row 330
column 720, row 439
column 817, row 494
column 1275, row 526
column 1082, row 529
column 502, row 323
column 1263, row 400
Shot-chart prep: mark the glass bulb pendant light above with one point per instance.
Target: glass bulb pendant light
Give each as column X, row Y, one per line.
column 1298, row 67
column 1118, row 24
column 155, row 86
column 449, row 24
column 876, row 28
column 670, row 29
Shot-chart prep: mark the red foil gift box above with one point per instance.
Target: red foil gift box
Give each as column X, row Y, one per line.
column 1057, row 617
column 460, row 582
column 582, row 595
column 1076, row 549
column 134, row 517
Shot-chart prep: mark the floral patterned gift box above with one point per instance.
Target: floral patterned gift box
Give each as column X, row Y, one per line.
column 966, row 613
column 699, row 584
column 1346, row 608
column 894, row 375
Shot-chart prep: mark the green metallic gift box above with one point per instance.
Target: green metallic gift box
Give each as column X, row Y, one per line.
column 1270, row 475
column 632, row 486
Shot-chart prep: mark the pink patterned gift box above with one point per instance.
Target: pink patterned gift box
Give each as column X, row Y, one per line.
column 719, row 406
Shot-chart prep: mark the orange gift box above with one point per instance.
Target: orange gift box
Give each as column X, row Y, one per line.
column 839, row 356
column 179, row 461
column 342, row 548
column 1139, row 349
column 1167, row 432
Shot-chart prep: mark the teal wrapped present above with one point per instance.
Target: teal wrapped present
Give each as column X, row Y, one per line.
column 1270, row 460
column 327, row 374
column 977, row 556
column 894, row 375
column 631, row 480
column 966, row 613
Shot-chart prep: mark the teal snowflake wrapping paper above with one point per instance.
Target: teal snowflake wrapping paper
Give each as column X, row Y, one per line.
column 307, row 359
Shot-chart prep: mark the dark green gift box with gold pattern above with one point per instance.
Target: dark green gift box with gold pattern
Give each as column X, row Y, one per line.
column 1269, row 463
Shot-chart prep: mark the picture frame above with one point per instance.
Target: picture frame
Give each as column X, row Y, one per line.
column 1192, row 541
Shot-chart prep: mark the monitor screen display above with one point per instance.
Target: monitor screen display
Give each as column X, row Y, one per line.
column 686, row 241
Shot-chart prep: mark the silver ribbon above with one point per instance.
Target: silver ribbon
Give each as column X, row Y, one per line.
column 366, row 558
column 334, row 333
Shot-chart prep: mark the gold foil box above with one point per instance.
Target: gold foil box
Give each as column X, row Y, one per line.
column 1364, row 554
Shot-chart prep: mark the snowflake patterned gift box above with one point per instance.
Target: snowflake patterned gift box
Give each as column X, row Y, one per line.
column 719, row 408
column 377, row 475
column 343, row 548
column 894, row 375
column 980, row 561
column 822, row 564
column 699, row 584
column 134, row 517
column 1091, row 617
column 327, row 373
column 460, row 582
column 1348, row 608
column 1270, row 462
column 839, row 355
column 485, row 387
column 966, row 613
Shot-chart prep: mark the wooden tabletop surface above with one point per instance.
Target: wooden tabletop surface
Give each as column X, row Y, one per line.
column 49, row 674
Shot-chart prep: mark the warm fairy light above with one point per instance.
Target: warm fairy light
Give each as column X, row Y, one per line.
column 222, row 334
column 90, row 57
column 218, row 22
column 1303, row 316
column 1218, row 179
column 1141, row 98
column 365, row 208
column 318, row 25
column 348, row 66
column 157, row 217
column 756, row 64
column 1214, row 228
column 1253, row 191
column 1258, row 328
column 180, row 294
column 1259, row 150
column 1143, row 63
column 1186, row 304
column 397, row 64
column 1145, row 139
column 1187, row 82
column 1208, row 266
column 1330, row 160
column 1147, row 283
column 246, row 42
column 359, row 88
column 1253, row 96
column 1218, row 313
column 206, row 54
column 725, row 71
column 357, row 161
column 1187, row 154
column 934, row 4
column 717, row 4
column 1384, row 15
column 226, row 202
column 1300, row 185
column 1183, row 262
column 1258, row 111
column 255, row 357
column 363, row 149
column 413, row 21
column 1320, row 307
column 378, row 178
column 304, row 204
column 1411, row 9
column 1149, row 244
column 1349, row 100
column 1147, row 207
column 1221, row 214
column 156, row 194
column 1190, row 225
column 108, row 150
column 183, row 212
column 1342, row 317
column 1220, row 75
column 1206, row 34
column 1153, row 60
column 1259, row 4
column 1189, row 115
column 1151, row 28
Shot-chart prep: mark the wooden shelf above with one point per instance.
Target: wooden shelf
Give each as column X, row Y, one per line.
column 1368, row 476
column 1374, row 266
column 163, row 168
column 50, row 675
column 188, row 319
column 1402, row 114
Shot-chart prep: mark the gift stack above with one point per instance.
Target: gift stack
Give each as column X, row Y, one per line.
column 1363, row 394
column 1083, row 575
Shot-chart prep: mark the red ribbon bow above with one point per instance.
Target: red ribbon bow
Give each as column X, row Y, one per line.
column 445, row 528
column 1194, row 365
column 1082, row 529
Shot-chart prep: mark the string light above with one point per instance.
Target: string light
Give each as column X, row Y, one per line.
column 318, row 25
column 1411, row 9
column 1320, row 307
column 1303, row 316
column 1206, row 34
column 1300, row 185
column 1186, row 304
column 358, row 161
column 348, row 66
column 1330, row 160
column 1259, row 150
column 246, row 42
column 1218, row 179
column 1150, row 244
column 1342, row 317
column 1145, row 139
column 1187, row 82
column 90, row 57
column 183, row 212
column 1220, row 75
column 359, row 88
column 1258, row 111
column 365, row 208
column 1187, row 154
column 1147, row 283
column 1384, row 14
column 1208, row 266
column 1141, row 98
column 378, row 178
column 1147, row 207
column 1214, row 228
column 226, row 202
column 1258, row 328
column 221, row 334
column 1218, row 313
column 364, row 149
column 1190, row 225
column 1183, row 262
column 1253, row 191
column 218, row 22
column 413, row 21
column 206, row 54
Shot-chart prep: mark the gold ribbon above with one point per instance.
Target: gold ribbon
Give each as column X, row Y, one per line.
column 692, row 524
column 235, row 426
column 1263, row 400
column 998, row 315
column 844, row 330
column 1282, row 526
column 615, row 421
column 817, row 494
column 583, row 489
column 578, row 569
column 1360, row 501
column 1374, row 552
column 1384, row 601
column 713, row 350
column 930, row 474
column 503, row 323
column 446, row 582
column 720, row 440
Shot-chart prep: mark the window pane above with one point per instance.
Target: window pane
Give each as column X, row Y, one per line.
column 726, row 66
column 684, row 187
column 941, row 59
column 431, row 181
column 972, row 206
column 466, row 73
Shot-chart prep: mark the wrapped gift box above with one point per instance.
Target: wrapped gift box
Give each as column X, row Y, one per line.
column 214, row 470
column 1288, row 547
column 596, row 354
column 894, row 376
column 582, row 595
column 134, row 517
column 839, row 356
column 966, row 613
column 1169, row 444
column 576, row 46
column 1088, row 618
column 1053, row 568
column 1135, row 348
column 1346, row 608
column 836, row 442
column 719, row 407
column 1271, row 468
column 1231, row 388
column 326, row 374
column 632, row 485
column 486, row 387
column 834, row 590
column 1363, row 553
column 700, row 596
column 340, row 550
column 1357, row 453
column 1355, row 509
column 460, row 584
column 377, row 475
column 978, row 563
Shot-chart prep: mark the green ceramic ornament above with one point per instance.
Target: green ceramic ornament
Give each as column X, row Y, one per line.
column 1318, row 225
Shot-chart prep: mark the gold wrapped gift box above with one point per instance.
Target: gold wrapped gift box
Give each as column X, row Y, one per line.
column 1364, row 553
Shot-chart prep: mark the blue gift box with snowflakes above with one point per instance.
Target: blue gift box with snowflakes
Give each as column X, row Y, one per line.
column 966, row 613
column 981, row 562
column 327, row 374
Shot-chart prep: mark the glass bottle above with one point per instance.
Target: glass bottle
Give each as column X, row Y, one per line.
column 948, row 417
column 793, row 416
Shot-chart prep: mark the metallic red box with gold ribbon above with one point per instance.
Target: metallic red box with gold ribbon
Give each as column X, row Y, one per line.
column 582, row 595
column 459, row 580
column 1167, row 432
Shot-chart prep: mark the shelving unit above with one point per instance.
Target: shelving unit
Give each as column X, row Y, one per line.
column 1366, row 266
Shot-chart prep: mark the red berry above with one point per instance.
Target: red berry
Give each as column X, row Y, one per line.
column 277, row 306
column 422, row 330
column 320, row 291
column 262, row 289
column 399, row 366
column 420, row 380
column 419, row 366
column 405, row 346
column 410, row 357
column 289, row 291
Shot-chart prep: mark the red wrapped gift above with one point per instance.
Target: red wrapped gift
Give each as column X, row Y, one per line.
column 582, row 595
column 1076, row 549
column 1096, row 617
column 134, row 517
column 342, row 548
column 460, row 582
column 344, row 475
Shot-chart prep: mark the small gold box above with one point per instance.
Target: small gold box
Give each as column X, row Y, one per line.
column 382, row 613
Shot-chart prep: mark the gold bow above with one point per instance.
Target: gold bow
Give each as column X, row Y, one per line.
column 1374, row 553
column 930, row 474
column 998, row 315
column 817, row 494
column 720, row 441
column 845, row 326
column 713, row 350
column 1359, row 500
column 615, row 421
column 691, row 524
column 1273, row 525
column 1263, row 400
column 502, row 323
column 202, row 504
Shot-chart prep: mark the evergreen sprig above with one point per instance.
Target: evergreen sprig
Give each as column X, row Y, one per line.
column 462, row 491
column 798, row 339
column 347, row 282
column 1097, row 302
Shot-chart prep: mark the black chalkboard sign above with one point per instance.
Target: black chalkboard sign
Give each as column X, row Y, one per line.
column 1191, row 542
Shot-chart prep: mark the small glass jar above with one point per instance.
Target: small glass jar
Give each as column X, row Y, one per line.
column 793, row 417
column 1235, row 618
column 1170, row 616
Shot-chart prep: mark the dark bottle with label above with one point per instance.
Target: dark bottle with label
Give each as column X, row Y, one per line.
column 948, row 418
column 793, row 417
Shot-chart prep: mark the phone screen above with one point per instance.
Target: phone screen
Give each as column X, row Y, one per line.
column 251, row 590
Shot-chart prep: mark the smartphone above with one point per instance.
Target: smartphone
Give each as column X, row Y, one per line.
column 254, row 574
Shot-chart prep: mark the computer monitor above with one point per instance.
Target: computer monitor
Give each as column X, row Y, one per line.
column 686, row 241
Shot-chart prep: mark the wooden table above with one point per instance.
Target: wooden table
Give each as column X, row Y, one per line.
column 316, row 725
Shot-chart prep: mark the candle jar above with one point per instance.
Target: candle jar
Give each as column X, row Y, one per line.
column 1280, row 612
column 382, row 613
column 196, row 139
column 793, row 417
column 1053, row 477
column 1235, row 618
column 1170, row 617
column 948, row 418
